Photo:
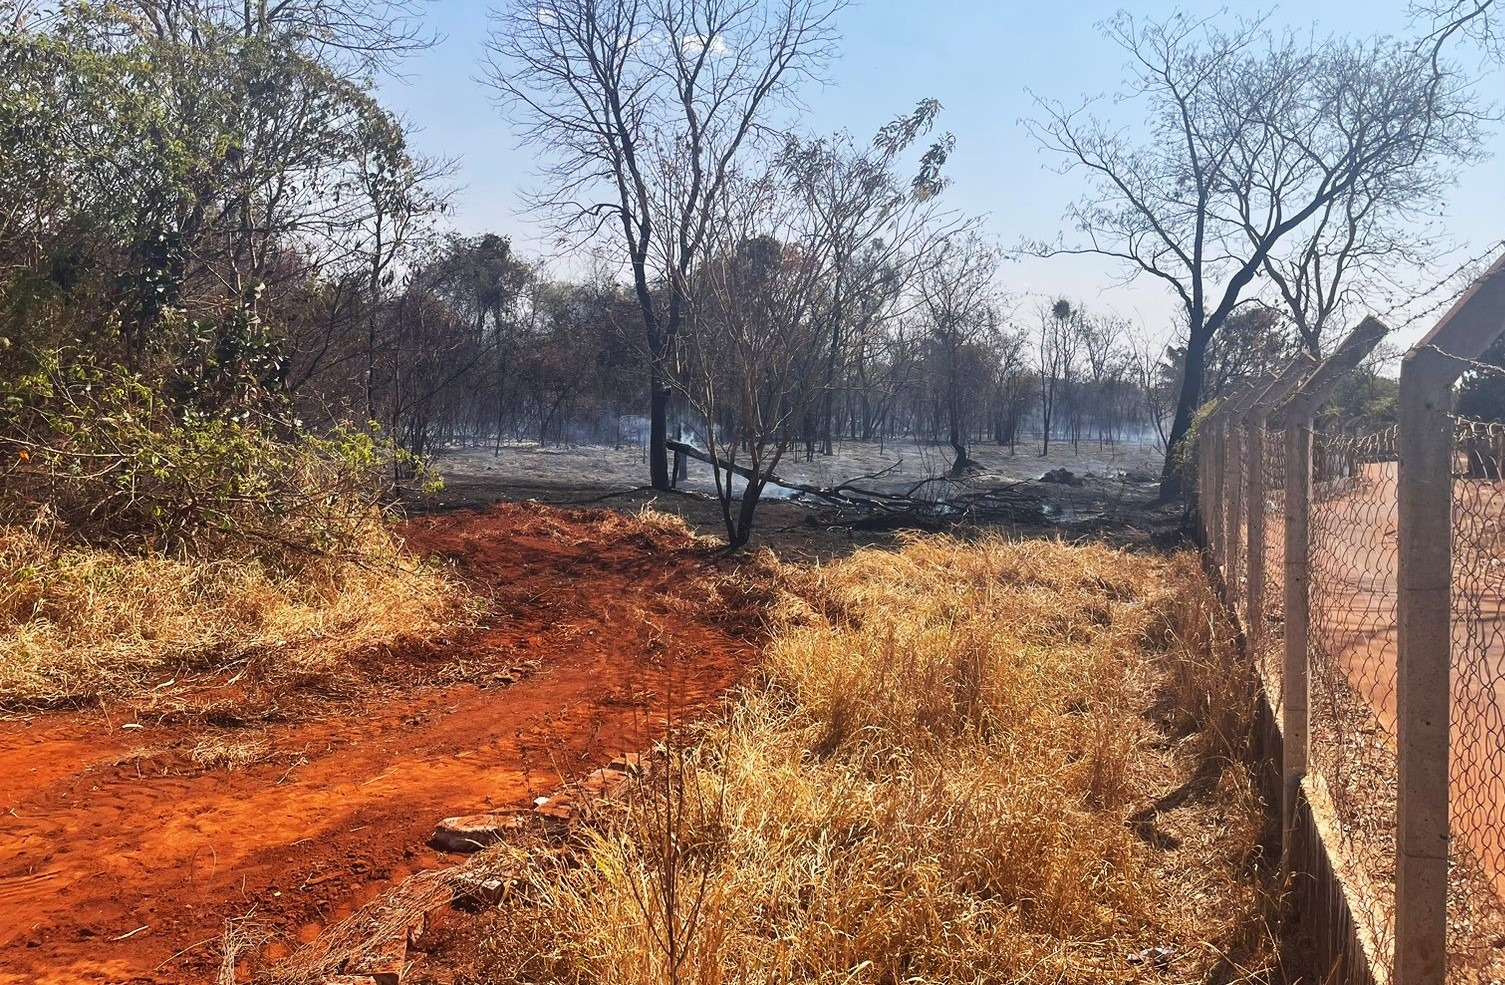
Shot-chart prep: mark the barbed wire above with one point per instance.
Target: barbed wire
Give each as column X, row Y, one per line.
column 1471, row 365
column 1465, row 273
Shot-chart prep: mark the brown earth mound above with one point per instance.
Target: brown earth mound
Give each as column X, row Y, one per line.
column 128, row 837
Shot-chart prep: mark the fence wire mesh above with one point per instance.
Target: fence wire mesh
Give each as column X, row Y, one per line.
column 1235, row 570
column 1477, row 761
column 1271, row 651
column 1352, row 659
column 1340, row 765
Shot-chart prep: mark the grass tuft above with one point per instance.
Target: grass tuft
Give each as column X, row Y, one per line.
column 80, row 623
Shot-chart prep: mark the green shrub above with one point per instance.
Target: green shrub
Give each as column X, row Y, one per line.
column 1184, row 454
column 101, row 451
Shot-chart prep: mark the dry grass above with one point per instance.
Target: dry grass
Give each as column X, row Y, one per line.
column 229, row 752
column 968, row 762
column 79, row 623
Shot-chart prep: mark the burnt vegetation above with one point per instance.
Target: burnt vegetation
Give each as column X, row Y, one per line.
column 212, row 223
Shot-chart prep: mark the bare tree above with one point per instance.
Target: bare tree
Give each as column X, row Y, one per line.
column 756, row 343
column 1152, row 377
column 642, row 108
column 1449, row 20
column 879, row 228
column 885, row 361
column 1100, row 344
column 958, row 296
column 399, row 199
column 1369, row 238
column 1060, row 338
column 1011, row 386
column 1252, row 137
column 353, row 37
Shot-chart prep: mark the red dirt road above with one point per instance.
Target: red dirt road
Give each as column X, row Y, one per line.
column 120, row 868
column 1354, row 623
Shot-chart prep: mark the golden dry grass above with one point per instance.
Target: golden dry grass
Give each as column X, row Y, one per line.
column 966, row 762
column 79, row 623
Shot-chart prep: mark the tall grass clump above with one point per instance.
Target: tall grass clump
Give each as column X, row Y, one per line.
column 82, row 623
column 142, row 537
column 974, row 761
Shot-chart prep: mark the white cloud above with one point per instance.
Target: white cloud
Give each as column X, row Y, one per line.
column 694, row 43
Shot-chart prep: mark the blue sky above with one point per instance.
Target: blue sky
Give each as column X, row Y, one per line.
column 980, row 59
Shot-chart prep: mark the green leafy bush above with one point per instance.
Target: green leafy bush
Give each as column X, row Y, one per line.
column 101, row 451
column 1184, row 454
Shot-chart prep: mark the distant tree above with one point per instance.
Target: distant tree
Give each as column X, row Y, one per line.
column 488, row 282
column 885, row 370
column 958, row 297
column 881, row 226
column 1012, row 389
column 1156, row 377
column 1255, row 342
column 756, row 344
column 396, row 190
column 1373, row 399
column 1057, row 349
column 1481, row 392
column 1107, row 363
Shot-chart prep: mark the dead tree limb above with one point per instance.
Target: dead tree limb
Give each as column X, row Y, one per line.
column 860, row 508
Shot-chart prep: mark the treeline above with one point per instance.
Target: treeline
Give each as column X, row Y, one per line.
column 208, row 221
column 210, row 197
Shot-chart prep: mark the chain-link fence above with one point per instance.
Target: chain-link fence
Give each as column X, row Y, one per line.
column 1477, row 761
column 1351, row 660
column 1236, row 568
column 1270, row 644
column 1366, row 566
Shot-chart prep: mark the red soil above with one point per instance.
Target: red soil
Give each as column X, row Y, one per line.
column 116, row 869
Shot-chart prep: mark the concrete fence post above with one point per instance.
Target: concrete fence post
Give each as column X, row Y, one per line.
column 1295, row 698
column 1238, row 461
column 1228, row 490
column 1300, row 410
column 1424, row 692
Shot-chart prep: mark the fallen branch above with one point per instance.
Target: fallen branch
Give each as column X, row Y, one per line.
column 714, row 462
column 858, row 507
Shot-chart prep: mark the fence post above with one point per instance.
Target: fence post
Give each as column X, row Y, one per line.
column 1217, row 461
column 1424, row 694
column 1300, row 411
column 1230, row 490
column 1255, row 493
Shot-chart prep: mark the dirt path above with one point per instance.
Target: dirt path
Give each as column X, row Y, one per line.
column 113, row 862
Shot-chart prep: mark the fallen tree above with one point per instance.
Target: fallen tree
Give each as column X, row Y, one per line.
column 932, row 503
